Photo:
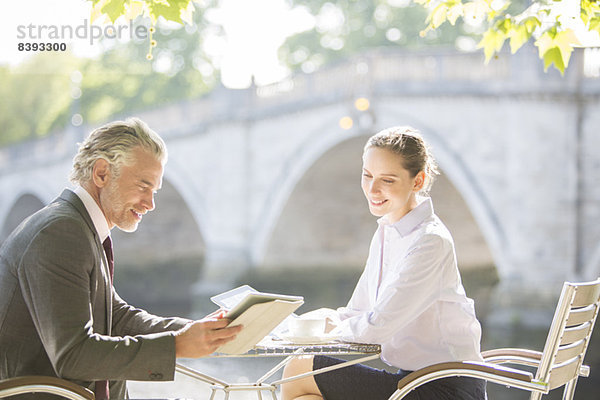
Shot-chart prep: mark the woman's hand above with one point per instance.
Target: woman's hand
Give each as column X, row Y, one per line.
column 331, row 317
column 329, row 325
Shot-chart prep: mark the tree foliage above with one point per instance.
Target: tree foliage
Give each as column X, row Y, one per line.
column 551, row 24
column 36, row 97
column 40, row 95
column 171, row 10
column 345, row 27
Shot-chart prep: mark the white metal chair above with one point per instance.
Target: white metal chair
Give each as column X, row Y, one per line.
column 559, row 365
column 44, row 384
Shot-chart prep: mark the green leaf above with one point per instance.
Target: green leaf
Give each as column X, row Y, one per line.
column 438, row 16
column 546, row 41
column 476, row 9
column 504, row 25
column 584, row 14
column 134, row 9
column 555, row 47
column 594, row 24
column 454, row 12
column 589, row 10
column 114, row 9
column 169, row 10
column 187, row 14
column 531, row 23
column 522, row 32
column 518, row 37
column 565, row 40
column 492, row 42
column 554, row 56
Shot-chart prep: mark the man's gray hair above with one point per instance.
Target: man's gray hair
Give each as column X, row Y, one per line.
column 114, row 143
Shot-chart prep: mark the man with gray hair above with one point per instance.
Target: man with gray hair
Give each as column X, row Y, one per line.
column 59, row 312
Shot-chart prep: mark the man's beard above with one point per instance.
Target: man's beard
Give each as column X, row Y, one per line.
column 122, row 218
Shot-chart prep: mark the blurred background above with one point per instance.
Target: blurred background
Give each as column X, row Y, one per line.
column 265, row 107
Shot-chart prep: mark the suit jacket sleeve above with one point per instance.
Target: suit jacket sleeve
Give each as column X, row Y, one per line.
column 128, row 320
column 58, row 274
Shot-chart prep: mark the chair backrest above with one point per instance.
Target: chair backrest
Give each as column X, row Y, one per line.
column 570, row 333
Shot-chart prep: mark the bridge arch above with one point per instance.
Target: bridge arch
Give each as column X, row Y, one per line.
column 312, row 230
column 158, row 265
column 178, row 175
column 327, row 135
column 166, row 234
column 23, row 206
column 34, row 191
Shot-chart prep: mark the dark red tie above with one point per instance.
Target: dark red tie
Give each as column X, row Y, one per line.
column 102, row 390
column 107, row 244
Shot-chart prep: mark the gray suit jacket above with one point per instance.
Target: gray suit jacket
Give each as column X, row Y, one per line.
column 60, row 316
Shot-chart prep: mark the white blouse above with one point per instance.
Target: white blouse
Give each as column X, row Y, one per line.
column 410, row 298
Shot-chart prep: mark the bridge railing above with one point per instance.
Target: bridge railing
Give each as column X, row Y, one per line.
column 32, row 153
column 430, row 73
column 381, row 71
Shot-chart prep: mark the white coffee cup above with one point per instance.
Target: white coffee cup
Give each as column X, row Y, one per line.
column 307, row 327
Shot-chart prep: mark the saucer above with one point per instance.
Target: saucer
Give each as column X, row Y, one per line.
column 325, row 338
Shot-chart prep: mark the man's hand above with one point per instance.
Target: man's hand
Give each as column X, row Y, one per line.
column 218, row 314
column 201, row 338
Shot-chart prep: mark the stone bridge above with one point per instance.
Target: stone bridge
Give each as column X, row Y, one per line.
column 268, row 177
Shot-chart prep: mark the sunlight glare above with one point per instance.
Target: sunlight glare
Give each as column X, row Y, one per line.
column 247, row 51
column 254, row 30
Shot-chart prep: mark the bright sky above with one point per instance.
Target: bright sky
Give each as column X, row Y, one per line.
column 255, row 29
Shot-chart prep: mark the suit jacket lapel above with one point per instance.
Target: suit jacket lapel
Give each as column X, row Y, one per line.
column 71, row 198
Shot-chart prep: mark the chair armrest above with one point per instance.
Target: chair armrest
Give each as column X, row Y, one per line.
column 44, row 384
column 466, row 366
column 489, row 372
column 508, row 351
column 512, row 356
column 521, row 357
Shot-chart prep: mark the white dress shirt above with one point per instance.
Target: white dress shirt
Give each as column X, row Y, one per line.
column 95, row 212
column 410, row 298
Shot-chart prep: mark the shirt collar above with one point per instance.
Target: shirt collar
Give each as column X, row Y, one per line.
column 413, row 218
column 95, row 213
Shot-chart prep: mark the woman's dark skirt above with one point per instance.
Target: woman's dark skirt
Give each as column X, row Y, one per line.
column 360, row 382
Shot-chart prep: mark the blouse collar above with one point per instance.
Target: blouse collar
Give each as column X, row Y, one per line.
column 413, row 218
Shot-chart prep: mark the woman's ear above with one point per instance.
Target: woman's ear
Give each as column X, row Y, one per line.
column 101, row 172
column 419, row 181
